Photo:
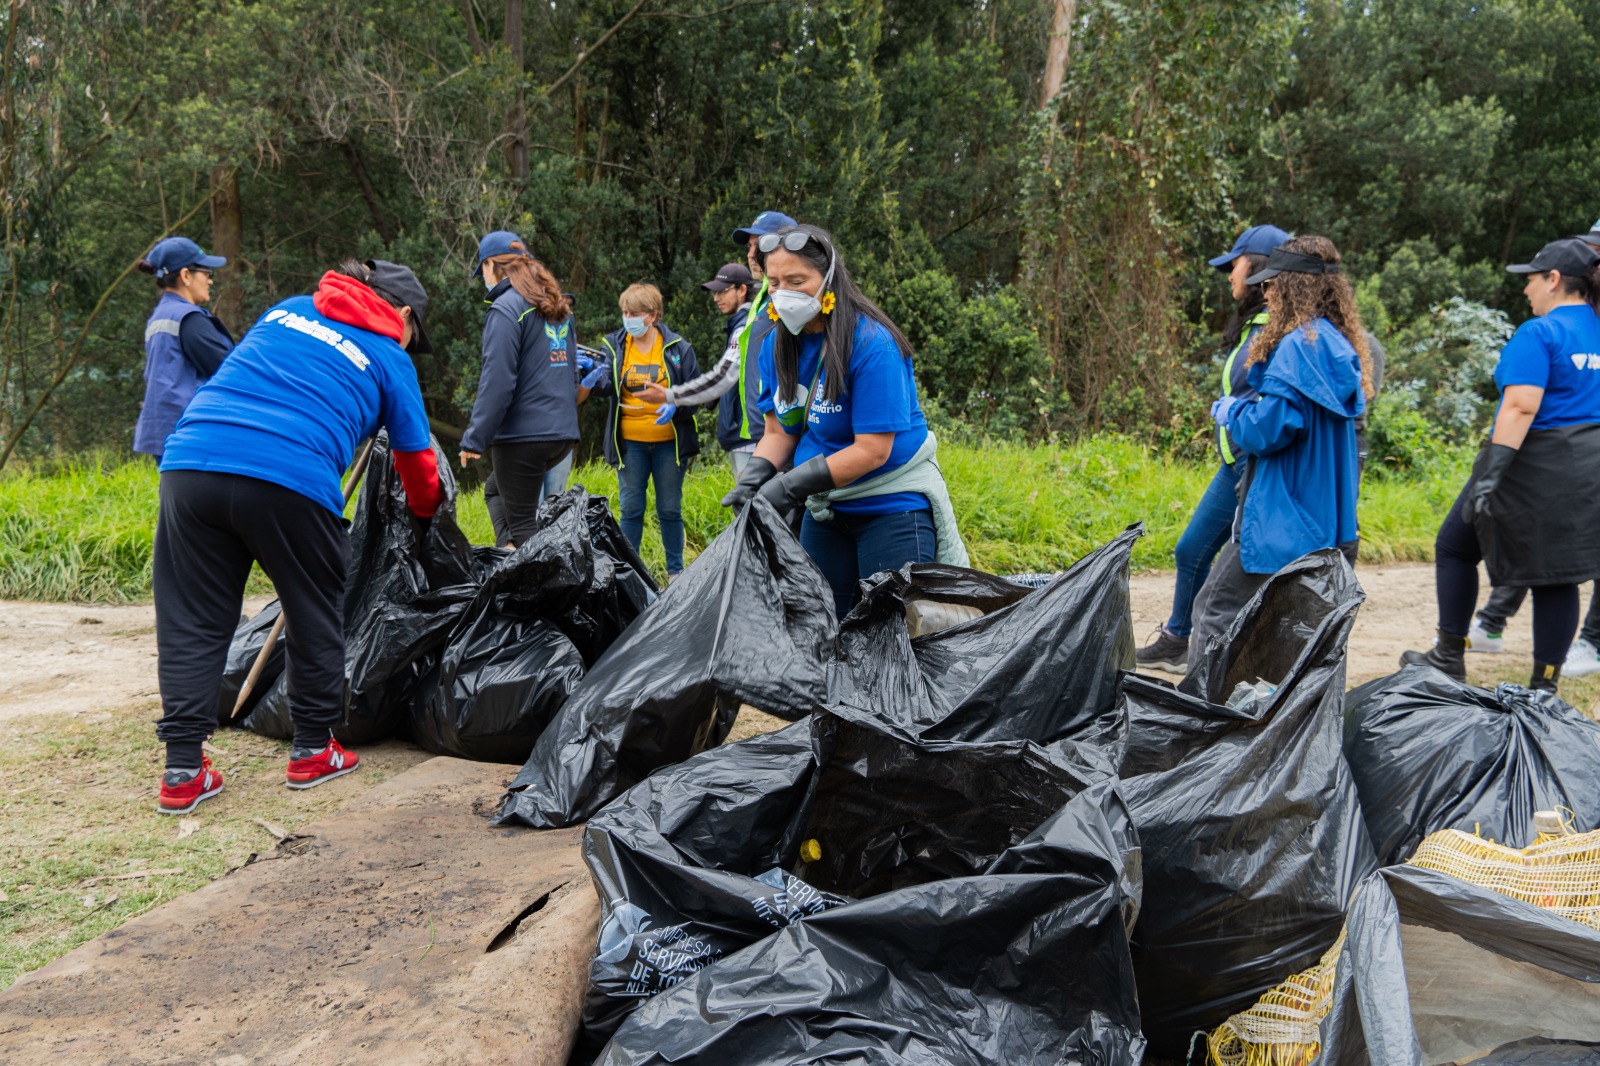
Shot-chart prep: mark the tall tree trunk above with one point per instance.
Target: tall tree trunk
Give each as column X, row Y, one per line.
column 227, row 239
column 1055, row 58
column 517, row 121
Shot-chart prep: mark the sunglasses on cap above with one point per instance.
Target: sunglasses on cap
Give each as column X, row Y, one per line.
column 792, row 241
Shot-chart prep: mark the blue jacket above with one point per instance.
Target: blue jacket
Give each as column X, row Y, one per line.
column 528, row 386
column 170, row 379
column 1300, row 490
column 739, row 417
column 681, row 366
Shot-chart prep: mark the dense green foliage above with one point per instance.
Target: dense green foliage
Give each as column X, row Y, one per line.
column 1046, row 257
column 83, row 531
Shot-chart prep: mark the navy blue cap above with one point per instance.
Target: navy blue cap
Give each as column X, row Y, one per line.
column 500, row 242
column 1257, row 240
column 766, row 222
column 173, row 254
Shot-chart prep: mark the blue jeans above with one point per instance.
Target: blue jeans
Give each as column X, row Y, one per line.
column 641, row 462
column 1202, row 539
column 853, row 546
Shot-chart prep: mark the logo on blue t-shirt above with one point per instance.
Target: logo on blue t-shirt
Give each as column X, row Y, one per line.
column 332, row 337
column 1585, row 360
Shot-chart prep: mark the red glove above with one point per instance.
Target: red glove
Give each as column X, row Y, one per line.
column 419, row 473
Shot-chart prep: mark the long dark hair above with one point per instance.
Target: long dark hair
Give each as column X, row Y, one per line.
column 1254, row 302
column 533, row 282
column 1304, row 298
column 840, row 326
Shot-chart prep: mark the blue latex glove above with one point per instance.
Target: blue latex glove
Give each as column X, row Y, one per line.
column 595, row 376
column 665, row 413
column 585, row 361
column 1222, row 410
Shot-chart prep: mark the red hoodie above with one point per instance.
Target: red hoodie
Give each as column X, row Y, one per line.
column 344, row 299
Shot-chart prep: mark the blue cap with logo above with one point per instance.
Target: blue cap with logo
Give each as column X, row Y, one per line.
column 766, row 222
column 1257, row 240
column 174, row 253
column 500, row 242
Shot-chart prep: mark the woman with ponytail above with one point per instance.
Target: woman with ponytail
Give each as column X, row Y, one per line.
column 1532, row 505
column 529, row 388
column 1311, row 368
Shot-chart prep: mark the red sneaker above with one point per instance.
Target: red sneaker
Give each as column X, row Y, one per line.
column 311, row 770
column 181, row 797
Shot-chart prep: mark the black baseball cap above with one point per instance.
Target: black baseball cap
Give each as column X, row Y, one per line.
column 393, row 279
column 729, row 275
column 1570, row 255
column 1283, row 261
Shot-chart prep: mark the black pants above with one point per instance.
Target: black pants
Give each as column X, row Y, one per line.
column 1456, row 558
column 1227, row 589
column 513, row 492
column 211, row 527
column 1503, row 602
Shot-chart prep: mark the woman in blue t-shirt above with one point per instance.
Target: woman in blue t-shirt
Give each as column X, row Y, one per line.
column 1532, row 505
column 840, row 401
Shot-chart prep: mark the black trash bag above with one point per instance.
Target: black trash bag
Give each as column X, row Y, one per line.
column 1251, row 832
column 1430, row 753
column 248, row 640
column 404, row 592
column 988, row 866
column 749, row 621
column 1039, row 665
column 1438, row 970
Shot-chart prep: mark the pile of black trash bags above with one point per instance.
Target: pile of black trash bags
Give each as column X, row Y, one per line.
column 468, row 651
column 983, row 839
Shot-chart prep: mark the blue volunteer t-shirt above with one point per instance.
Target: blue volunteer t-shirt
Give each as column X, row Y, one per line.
column 879, row 397
column 293, row 400
column 1560, row 353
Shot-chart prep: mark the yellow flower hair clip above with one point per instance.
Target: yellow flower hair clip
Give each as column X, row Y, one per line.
column 827, row 303
column 772, row 312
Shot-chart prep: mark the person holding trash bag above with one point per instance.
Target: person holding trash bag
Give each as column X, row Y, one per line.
column 1209, row 526
column 251, row 474
column 526, row 410
column 840, row 400
column 1532, row 505
column 647, row 441
column 184, row 344
column 1311, row 369
column 739, row 418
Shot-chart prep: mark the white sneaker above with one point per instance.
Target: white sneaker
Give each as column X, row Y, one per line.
column 1481, row 640
column 1582, row 659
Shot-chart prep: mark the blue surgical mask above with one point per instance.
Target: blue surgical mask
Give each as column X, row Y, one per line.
column 634, row 324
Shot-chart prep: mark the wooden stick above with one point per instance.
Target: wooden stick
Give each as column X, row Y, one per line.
column 356, row 472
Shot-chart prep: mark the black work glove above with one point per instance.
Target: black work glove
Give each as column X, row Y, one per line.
column 786, row 492
column 757, row 472
column 1496, row 461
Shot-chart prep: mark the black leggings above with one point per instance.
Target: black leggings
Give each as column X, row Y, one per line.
column 210, row 528
column 517, row 486
column 1457, row 554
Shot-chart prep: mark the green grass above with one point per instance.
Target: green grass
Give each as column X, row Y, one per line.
column 83, row 532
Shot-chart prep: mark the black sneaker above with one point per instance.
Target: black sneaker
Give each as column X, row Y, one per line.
column 1166, row 652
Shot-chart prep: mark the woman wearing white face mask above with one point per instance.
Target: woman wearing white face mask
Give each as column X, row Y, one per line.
column 647, row 442
column 840, row 400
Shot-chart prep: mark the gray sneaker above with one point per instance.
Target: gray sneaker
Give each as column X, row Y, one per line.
column 1166, row 652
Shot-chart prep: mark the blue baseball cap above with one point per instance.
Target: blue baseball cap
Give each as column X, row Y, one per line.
column 173, row 254
column 1257, row 240
column 766, row 222
column 500, row 242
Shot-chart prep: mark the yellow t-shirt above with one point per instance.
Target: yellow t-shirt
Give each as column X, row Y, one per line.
column 638, row 370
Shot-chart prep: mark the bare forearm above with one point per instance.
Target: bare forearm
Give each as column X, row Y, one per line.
column 1518, row 408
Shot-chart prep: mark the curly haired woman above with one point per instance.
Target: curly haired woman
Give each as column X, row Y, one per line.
column 1312, row 368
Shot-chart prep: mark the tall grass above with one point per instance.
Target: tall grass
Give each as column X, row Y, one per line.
column 83, row 532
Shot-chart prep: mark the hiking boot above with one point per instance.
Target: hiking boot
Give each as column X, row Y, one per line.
column 1448, row 655
column 1582, row 660
column 1546, row 676
column 182, row 790
column 1480, row 639
column 308, row 769
column 1166, row 652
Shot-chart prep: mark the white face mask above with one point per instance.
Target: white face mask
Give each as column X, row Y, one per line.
column 796, row 308
column 634, row 324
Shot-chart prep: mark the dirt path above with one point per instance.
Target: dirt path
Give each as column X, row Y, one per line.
column 62, row 658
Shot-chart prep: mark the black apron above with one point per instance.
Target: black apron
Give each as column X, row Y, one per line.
column 1545, row 523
